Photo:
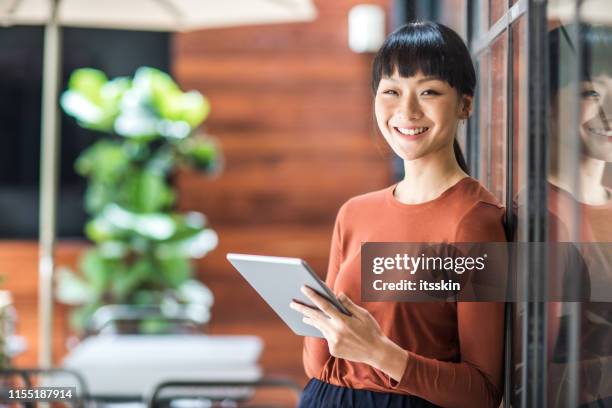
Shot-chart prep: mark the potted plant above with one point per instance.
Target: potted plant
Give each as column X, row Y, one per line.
column 143, row 248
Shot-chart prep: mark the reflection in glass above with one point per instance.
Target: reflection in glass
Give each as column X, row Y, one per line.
column 580, row 207
column 519, row 184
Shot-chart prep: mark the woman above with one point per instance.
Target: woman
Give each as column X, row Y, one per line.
column 580, row 210
column 392, row 354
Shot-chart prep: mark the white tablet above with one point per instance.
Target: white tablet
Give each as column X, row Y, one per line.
column 278, row 281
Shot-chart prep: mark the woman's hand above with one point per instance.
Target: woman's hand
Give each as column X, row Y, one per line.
column 357, row 338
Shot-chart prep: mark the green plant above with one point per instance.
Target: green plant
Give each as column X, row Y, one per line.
column 143, row 248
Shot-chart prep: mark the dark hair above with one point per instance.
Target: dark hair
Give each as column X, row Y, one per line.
column 433, row 49
column 596, row 48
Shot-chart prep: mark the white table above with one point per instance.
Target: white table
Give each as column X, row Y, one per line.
column 130, row 366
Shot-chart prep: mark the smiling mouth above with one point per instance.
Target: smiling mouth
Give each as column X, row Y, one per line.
column 601, row 132
column 411, row 132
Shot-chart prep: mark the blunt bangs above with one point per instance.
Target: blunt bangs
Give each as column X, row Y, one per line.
column 596, row 48
column 428, row 47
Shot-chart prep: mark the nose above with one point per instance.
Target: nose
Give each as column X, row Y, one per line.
column 410, row 107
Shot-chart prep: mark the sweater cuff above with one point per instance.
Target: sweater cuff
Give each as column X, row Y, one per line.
column 404, row 381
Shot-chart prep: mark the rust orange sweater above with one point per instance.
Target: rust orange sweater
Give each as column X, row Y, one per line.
column 454, row 349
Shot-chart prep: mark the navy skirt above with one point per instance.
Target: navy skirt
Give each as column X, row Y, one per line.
column 319, row 394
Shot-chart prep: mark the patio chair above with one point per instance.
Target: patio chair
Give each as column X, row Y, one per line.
column 126, row 318
column 175, row 394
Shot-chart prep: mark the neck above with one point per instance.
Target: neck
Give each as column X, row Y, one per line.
column 428, row 177
column 587, row 187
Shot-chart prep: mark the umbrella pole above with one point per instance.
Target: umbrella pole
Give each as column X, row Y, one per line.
column 48, row 186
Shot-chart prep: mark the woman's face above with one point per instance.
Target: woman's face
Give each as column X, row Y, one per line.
column 418, row 115
column 595, row 117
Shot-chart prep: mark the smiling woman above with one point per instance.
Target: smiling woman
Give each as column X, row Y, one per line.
column 399, row 97
column 393, row 354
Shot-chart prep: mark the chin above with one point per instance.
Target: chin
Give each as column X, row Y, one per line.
column 604, row 155
column 407, row 155
column 596, row 146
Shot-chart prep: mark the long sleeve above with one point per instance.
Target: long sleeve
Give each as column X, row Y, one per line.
column 316, row 352
column 476, row 379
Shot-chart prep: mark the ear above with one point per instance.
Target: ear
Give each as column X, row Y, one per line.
column 466, row 106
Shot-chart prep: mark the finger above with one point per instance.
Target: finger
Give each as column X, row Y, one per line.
column 318, row 325
column 307, row 311
column 349, row 304
column 314, row 315
column 322, row 303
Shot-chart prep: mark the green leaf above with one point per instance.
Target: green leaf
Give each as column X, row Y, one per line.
column 127, row 280
column 170, row 102
column 195, row 292
column 114, row 249
column 175, row 270
column 136, row 122
column 147, row 297
column 155, row 226
column 199, row 152
column 97, row 196
column 97, row 271
column 190, row 107
column 115, row 221
column 80, row 316
column 194, row 246
column 72, row 289
column 157, row 84
column 148, row 191
column 88, row 82
column 105, row 161
column 92, row 99
column 100, row 230
column 113, row 91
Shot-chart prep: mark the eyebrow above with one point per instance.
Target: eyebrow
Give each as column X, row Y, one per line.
column 425, row 79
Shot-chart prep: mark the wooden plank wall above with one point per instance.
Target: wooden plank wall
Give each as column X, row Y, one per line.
column 292, row 111
column 19, row 267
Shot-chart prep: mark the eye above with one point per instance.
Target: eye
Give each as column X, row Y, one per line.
column 590, row 93
column 430, row 92
column 390, row 92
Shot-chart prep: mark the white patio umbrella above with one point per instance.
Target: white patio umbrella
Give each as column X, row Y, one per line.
column 150, row 15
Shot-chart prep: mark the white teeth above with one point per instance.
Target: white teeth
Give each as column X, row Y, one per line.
column 411, row 132
column 601, row 132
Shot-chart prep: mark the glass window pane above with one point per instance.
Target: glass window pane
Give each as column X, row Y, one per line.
column 579, row 201
column 519, row 182
column 499, row 51
column 479, row 18
column 453, row 15
column 498, row 8
column 519, row 121
column 483, row 125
